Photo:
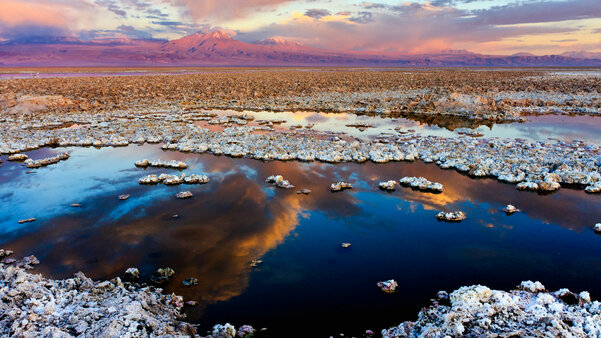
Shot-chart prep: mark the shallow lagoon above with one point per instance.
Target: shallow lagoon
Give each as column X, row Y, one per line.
column 534, row 128
column 307, row 283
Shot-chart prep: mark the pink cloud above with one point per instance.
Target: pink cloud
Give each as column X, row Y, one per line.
column 15, row 13
column 42, row 17
column 224, row 9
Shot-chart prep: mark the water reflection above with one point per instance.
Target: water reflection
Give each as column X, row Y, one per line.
column 543, row 127
column 306, row 277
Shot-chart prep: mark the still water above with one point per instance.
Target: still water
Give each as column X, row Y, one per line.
column 535, row 128
column 308, row 285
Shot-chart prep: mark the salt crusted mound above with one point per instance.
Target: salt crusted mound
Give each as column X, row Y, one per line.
column 477, row 311
column 33, row 104
column 33, row 306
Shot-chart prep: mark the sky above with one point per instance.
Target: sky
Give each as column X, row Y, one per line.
column 485, row 26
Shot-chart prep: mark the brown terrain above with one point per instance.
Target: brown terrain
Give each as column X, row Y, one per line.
column 476, row 94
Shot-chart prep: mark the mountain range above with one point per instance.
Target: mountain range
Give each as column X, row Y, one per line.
column 217, row 48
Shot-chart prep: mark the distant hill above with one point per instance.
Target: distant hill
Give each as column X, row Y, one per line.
column 523, row 54
column 583, row 55
column 217, row 48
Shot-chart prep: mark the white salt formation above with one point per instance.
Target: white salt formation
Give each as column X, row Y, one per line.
column 389, row 185
column 132, row 273
column 533, row 165
column 184, row 194
column 456, row 216
column 388, row 286
column 227, row 330
column 529, row 311
column 18, row 157
column 29, row 163
column 510, row 209
column 255, row 262
column 468, row 132
column 362, row 126
column 597, row 227
column 422, row 183
column 161, row 164
column 339, row 186
column 549, row 182
column 593, row 188
column 162, row 275
column 279, row 181
column 34, row 306
column 149, row 179
column 168, row 179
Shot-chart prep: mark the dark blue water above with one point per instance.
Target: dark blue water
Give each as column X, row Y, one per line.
column 308, row 285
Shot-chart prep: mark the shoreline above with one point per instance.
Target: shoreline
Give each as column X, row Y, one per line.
column 34, row 305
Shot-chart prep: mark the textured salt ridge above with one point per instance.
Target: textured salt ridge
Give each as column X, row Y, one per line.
column 477, row 311
column 422, row 183
column 513, row 161
column 542, row 165
column 168, row 179
column 34, row 306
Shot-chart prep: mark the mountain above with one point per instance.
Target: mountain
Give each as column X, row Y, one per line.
column 277, row 42
column 523, row 54
column 456, row 52
column 583, row 55
column 217, row 48
column 191, row 42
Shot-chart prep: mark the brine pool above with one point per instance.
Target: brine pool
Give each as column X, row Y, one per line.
column 535, row 127
column 307, row 285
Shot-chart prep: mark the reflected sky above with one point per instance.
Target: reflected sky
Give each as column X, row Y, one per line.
column 306, row 276
column 543, row 127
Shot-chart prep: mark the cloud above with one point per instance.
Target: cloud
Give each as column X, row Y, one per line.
column 32, row 32
column 380, row 26
column 223, row 9
column 112, row 6
column 122, row 31
column 565, row 40
column 405, row 28
column 317, row 13
column 20, row 19
column 362, row 17
column 36, row 13
column 539, row 11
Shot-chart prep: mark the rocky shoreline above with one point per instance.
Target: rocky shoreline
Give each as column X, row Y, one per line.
column 36, row 306
column 528, row 311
